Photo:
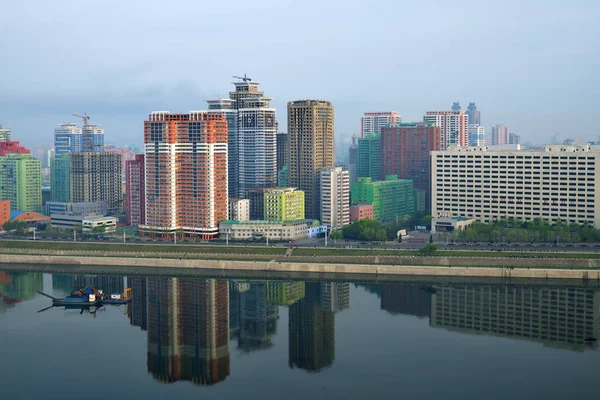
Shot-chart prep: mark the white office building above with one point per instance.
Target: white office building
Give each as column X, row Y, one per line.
column 487, row 183
column 476, row 135
column 334, row 185
column 372, row 122
column 239, row 210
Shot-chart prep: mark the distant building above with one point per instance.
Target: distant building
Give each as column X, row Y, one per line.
column 126, row 154
column 369, row 157
column 284, row 204
column 135, row 192
column 390, row 198
column 228, row 108
column 239, row 210
column 12, row 148
column 454, row 126
column 283, row 159
column 473, row 114
column 335, row 198
column 96, row 208
column 405, row 149
column 311, row 129
column 500, row 135
column 4, row 134
column 4, row 212
column 372, row 122
column 21, row 181
column 97, row 176
column 68, row 138
column 353, row 160
column 476, row 135
column 257, row 203
column 513, row 138
column 274, row 230
column 60, row 178
column 456, row 106
column 361, row 211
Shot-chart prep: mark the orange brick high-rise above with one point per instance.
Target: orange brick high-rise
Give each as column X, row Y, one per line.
column 186, row 174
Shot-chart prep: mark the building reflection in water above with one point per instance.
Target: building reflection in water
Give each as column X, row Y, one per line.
column 188, row 330
column 405, row 299
column 257, row 319
column 138, row 315
column 109, row 284
column 16, row 287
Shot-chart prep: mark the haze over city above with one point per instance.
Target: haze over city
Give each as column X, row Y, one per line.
column 531, row 65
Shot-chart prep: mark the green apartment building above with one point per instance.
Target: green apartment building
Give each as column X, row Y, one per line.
column 369, row 164
column 21, row 181
column 390, row 198
column 60, row 178
column 283, row 204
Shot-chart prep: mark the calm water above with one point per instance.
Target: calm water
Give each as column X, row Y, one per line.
column 229, row 339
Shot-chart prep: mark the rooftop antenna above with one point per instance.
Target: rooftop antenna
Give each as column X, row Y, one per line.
column 243, row 78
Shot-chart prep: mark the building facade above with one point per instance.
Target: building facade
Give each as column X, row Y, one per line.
column 4, row 134
column 135, row 192
column 405, row 149
column 361, row 211
column 4, row 212
column 227, row 108
column 500, row 135
column 473, row 114
column 390, row 198
column 60, row 178
column 283, row 159
column 560, row 182
column 335, row 198
column 369, row 153
column 12, row 148
column 454, row 126
column 21, row 181
column 97, row 176
column 257, row 203
column 69, row 138
column 284, row 204
column 186, row 174
column 311, row 137
column 372, row 122
column 96, row 208
column 239, row 210
column 353, row 160
column 476, row 135
column 513, row 138
column 274, row 230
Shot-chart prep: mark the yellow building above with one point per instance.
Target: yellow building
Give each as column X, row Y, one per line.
column 284, row 204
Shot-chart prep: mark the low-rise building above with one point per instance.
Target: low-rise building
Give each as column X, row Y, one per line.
column 32, row 218
column 4, row 212
column 86, row 222
column 239, row 210
column 448, row 224
column 361, row 211
column 84, row 208
column 274, row 230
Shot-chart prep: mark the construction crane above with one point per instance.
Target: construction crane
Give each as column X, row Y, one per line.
column 85, row 117
column 243, row 78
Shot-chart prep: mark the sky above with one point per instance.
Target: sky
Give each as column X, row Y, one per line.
column 532, row 65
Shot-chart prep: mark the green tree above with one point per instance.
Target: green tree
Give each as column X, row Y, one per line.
column 335, row 235
column 381, row 235
column 428, row 250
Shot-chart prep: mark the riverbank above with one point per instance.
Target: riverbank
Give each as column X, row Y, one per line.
column 438, row 267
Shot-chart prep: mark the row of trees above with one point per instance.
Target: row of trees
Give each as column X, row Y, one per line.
column 372, row 230
column 536, row 231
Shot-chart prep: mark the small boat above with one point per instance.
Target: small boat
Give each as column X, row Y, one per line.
column 81, row 298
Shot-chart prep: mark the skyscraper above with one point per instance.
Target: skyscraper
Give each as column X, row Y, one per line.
column 500, row 135
column 4, row 134
column 97, row 176
column 60, row 178
column 256, row 137
column 353, row 160
column 68, row 138
column 474, row 114
column 227, row 109
column 135, row 194
column 454, row 127
column 513, row 138
column 186, row 173
column 372, row 122
column 283, row 159
column 21, row 181
column 311, row 131
column 369, row 162
column 335, row 198
column 476, row 135
column 405, row 151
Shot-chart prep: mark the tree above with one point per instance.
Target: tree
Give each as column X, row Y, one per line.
column 335, row 235
column 381, row 235
column 428, row 250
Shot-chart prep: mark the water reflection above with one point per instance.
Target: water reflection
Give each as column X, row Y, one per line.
column 16, row 287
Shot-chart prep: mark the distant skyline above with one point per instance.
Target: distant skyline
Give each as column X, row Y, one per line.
column 529, row 64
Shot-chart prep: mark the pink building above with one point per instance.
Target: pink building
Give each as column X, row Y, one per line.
column 126, row 155
column 135, row 193
column 361, row 211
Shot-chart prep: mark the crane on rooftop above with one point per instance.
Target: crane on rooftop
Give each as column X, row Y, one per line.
column 85, row 117
column 243, row 78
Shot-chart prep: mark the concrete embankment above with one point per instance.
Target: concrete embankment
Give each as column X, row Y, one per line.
column 438, row 267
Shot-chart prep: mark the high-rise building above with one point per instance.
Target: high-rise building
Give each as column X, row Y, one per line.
column 500, row 135
column 257, row 137
column 476, row 135
column 283, row 159
column 513, row 138
column 490, row 184
column 456, row 106
column 405, row 149
column 126, row 154
column 4, row 134
column 310, row 130
column 335, row 198
column 21, row 181
column 227, row 109
column 188, row 330
column 60, row 178
column 42, row 153
column 135, row 192
column 97, row 176
column 257, row 203
column 372, row 122
column 186, row 173
column 369, row 153
column 284, row 204
column 239, row 210
column 68, row 138
column 353, row 160
column 454, row 127
column 390, row 198
column 474, row 114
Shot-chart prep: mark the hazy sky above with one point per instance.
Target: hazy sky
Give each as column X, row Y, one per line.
column 533, row 65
